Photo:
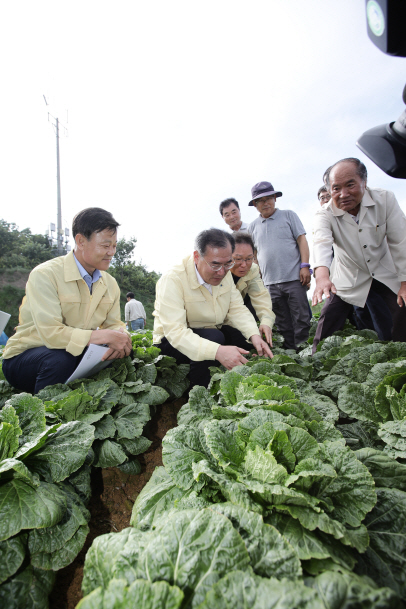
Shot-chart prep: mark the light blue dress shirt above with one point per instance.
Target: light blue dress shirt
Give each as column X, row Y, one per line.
column 89, row 279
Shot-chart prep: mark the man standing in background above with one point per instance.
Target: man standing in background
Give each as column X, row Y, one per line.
column 230, row 212
column 283, row 257
column 375, row 314
column 323, row 195
column 134, row 313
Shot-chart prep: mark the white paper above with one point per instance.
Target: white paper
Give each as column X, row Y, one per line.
column 4, row 317
column 91, row 363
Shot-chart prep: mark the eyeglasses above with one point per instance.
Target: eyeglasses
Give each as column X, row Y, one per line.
column 265, row 199
column 217, row 267
column 325, row 198
column 248, row 260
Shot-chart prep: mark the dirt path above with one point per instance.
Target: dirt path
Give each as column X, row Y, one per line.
column 113, row 496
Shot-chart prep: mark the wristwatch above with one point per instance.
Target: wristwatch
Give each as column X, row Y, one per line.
column 306, row 265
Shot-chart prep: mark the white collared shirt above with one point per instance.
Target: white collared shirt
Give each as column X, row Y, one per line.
column 202, row 281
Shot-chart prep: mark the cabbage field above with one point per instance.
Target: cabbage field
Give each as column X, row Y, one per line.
column 282, row 486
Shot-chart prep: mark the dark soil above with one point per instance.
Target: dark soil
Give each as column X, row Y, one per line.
column 113, row 496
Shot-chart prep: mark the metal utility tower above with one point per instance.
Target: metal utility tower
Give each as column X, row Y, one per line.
column 60, row 234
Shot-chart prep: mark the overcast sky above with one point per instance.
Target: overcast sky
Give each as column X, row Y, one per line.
column 174, row 106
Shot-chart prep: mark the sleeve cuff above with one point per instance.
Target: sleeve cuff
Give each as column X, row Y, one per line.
column 211, row 350
column 267, row 321
column 78, row 341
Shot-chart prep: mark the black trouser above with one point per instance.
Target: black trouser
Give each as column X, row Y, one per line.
column 375, row 315
column 36, row 368
column 199, row 371
column 291, row 308
column 335, row 311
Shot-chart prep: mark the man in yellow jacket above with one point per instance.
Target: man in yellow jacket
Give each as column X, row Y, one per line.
column 194, row 303
column 70, row 302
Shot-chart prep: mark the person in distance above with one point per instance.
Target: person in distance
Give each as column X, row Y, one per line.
column 230, row 212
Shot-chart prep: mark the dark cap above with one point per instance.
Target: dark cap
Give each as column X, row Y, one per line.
column 263, row 189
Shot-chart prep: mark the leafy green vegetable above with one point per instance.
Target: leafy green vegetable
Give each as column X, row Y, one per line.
column 72, row 440
column 130, row 420
column 181, row 447
column 105, row 554
column 181, row 550
column 385, row 559
column 140, row 593
column 23, row 506
column 28, row 588
column 12, row 553
column 393, row 433
column 31, row 415
column 51, row 539
column 386, row 472
column 108, row 453
column 270, row 554
column 243, row 589
column 349, row 590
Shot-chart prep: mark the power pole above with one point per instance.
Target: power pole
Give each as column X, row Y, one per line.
column 58, row 188
column 59, row 235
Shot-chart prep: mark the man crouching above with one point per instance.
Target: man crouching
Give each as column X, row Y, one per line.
column 195, row 300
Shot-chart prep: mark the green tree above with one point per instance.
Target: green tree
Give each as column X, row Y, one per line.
column 132, row 277
column 122, row 258
column 22, row 248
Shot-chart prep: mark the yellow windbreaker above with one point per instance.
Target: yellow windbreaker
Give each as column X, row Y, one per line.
column 182, row 303
column 253, row 285
column 59, row 312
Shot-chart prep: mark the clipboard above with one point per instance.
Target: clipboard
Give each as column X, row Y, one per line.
column 4, row 317
column 91, row 363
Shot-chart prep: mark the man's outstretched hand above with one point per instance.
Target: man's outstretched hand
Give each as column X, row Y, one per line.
column 261, row 346
column 267, row 332
column 118, row 341
column 231, row 356
column 323, row 285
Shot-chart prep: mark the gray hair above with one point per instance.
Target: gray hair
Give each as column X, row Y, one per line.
column 360, row 168
column 213, row 237
column 321, row 189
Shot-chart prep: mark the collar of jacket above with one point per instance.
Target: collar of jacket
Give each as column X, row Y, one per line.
column 243, row 281
column 71, row 271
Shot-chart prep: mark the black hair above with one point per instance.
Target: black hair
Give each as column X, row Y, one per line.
column 93, row 220
column 227, row 203
column 130, row 295
column 242, row 237
column 360, row 168
column 213, row 237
